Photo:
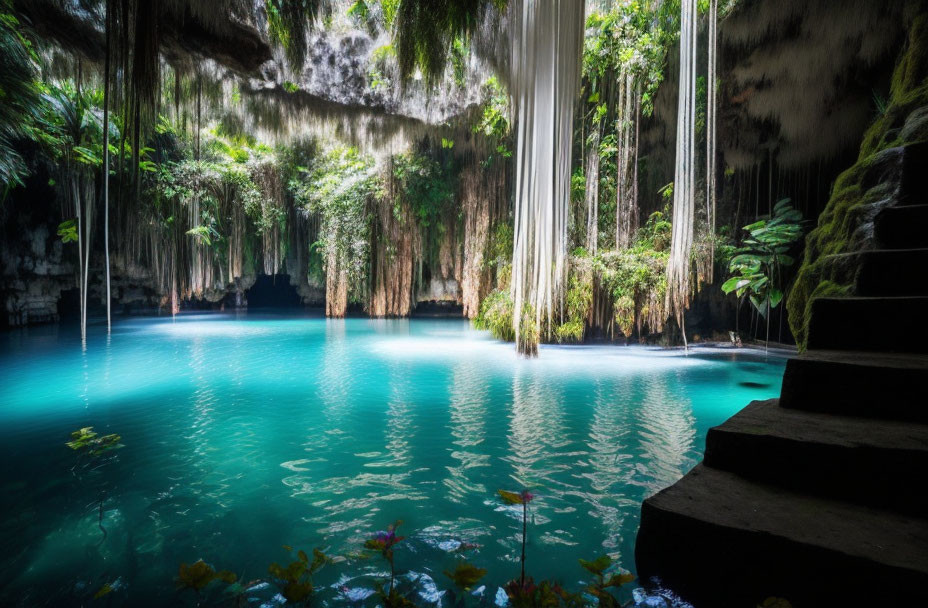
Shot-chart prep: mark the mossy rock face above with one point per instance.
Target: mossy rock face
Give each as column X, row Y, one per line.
column 846, row 224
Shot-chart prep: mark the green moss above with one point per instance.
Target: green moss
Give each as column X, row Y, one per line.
column 820, row 276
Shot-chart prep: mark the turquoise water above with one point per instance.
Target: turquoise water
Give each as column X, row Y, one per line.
column 243, row 434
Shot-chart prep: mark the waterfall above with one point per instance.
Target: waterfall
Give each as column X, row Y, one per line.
column 626, row 216
column 546, row 48
column 711, row 109
column 678, row 266
column 592, row 192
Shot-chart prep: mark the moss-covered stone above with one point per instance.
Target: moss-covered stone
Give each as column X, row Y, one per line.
column 861, row 191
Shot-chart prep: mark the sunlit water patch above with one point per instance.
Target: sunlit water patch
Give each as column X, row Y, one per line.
column 244, row 434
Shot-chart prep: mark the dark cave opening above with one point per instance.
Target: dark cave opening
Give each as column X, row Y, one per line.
column 273, row 291
column 69, row 305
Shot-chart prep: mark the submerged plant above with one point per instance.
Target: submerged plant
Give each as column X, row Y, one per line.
column 464, row 576
column 87, row 441
column 383, row 542
column 528, row 594
column 199, row 575
column 521, row 498
column 91, row 446
column 296, row 579
column 605, row 579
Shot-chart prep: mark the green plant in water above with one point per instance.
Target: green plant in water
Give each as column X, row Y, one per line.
column 296, row 579
column 87, row 441
column 757, row 270
column 464, row 576
column 528, row 594
column 199, row 575
column 519, row 498
column 604, row 580
column 383, row 543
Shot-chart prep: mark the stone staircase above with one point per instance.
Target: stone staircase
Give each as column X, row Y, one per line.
column 820, row 497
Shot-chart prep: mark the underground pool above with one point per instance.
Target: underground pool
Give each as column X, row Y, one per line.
column 245, row 435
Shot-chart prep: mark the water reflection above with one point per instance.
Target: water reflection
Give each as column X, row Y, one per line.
column 470, row 389
column 668, row 431
column 610, row 462
column 246, row 434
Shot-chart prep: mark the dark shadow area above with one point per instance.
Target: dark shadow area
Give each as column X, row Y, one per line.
column 431, row 308
column 273, row 291
column 69, row 305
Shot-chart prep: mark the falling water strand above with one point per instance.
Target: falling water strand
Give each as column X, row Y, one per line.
column 711, row 109
column 592, row 192
column 678, row 265
column 546, row 45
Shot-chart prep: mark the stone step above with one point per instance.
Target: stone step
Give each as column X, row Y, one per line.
column 850, row 383
column 891, row 272
column 888, row 324
column 902, row 227
column 881, row 463
column 718, row 539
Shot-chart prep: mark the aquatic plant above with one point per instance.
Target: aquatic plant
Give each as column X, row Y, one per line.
column 90, row 447
column 528, row 594
column 464, row 576
column 199, row 575
column 296, row 579
column 519, row 498
column 383, row 542
column 605, row 579
column 87, row 441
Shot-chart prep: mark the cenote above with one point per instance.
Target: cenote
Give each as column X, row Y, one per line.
column 243, row 434
column 463, row 303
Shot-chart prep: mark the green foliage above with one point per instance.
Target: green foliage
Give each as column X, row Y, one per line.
column 380, row 67
column 656, row 232
column 758, row 267
column 87, row 441
column 288, row 22
column 579, row 299
column 631, row 38
column 493, row 121
column 199, row 575
column 636, row 278
column 427, row 185
column 426, row 33
column 204, row 233
column 67, row 230
column 495, row 315
column 296, row 579
column 340, row 185
column 72, row 129
column 605, row 579
column 383, row 542
column 465, row 575
column 529, row 334
column 545, row 594
column 20, row 98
